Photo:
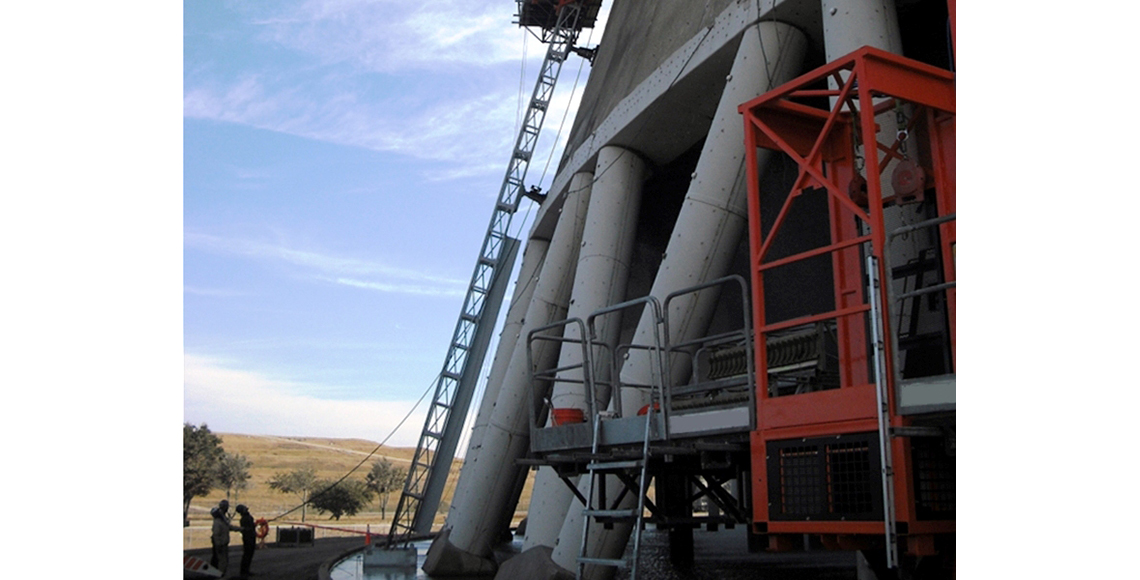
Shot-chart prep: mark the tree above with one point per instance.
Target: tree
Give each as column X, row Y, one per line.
column 300, row 481
column 384, row 478
column 201, row 453
column 344, row 498
column 233, row 473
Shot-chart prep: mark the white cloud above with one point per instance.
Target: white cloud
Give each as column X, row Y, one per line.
column 238, row 401
column 401, row 288
column 396, row 35
column 426, row 80
column 245, row 101
column 459, row 131
column 336, row 269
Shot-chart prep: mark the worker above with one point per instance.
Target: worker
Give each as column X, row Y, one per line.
column 220, row 536
column 248, row 539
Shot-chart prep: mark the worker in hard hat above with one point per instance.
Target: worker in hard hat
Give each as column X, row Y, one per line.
column 220, row 536
column 248, row 539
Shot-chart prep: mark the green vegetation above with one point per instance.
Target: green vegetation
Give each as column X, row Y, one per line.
column 300, row 481
column 233, row 473
column 331, row 458
column 201, row 454
column 338, row 499
column 382, row 480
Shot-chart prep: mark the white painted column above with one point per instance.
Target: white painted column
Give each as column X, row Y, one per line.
column 847, row 26
column 707, row 233
column 604, row 260
column 714, row 215
column 479, row 511
column 851, row 24
column 600, row 281
column 533, row 256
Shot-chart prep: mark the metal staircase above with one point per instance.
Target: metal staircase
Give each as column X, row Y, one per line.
column 598, row 509
column 415, row 511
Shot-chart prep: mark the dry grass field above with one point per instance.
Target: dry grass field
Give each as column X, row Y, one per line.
column 331, row 458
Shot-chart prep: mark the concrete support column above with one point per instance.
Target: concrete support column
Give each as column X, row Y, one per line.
column 705, row 236
column 851, row 24
column 847, row 26
column 604, row 260
column 533, row 256
column 714, row 214
column 600, row 281
column 480, row 510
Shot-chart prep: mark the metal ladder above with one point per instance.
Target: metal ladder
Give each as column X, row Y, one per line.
column 431, row 463
column 600, row 465
column 877, row 292
column 597, row 472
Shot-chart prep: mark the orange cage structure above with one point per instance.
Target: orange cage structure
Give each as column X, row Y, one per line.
column 857, row 456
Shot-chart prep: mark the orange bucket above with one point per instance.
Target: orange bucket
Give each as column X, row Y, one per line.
column 568, row 416
column 645, row 409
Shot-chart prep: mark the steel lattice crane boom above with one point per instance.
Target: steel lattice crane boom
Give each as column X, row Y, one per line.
column 455, row 386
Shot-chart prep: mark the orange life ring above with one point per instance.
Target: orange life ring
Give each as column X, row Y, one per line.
column 262, row 529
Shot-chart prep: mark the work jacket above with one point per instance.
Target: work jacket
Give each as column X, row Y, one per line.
column 221, row 531
column 248, row 529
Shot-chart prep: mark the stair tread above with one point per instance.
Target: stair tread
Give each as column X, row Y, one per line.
column 604, row 465
column 610, row 513
column 604, row 561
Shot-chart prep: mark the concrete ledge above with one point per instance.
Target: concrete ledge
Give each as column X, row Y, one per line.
column 323, row 573
column 533, row 564
column 444, row 559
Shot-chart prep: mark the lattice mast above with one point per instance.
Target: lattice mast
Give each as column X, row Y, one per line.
column 415, row 512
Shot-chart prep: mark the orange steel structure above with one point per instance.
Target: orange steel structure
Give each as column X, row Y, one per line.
column 827, row 131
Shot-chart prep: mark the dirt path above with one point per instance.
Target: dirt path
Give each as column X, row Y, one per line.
column 330, row 447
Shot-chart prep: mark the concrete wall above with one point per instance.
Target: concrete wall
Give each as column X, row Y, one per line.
column 639, row 36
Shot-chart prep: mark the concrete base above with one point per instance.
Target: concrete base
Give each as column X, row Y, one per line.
column 403, row 558
column 533, row 564
column 444, row 559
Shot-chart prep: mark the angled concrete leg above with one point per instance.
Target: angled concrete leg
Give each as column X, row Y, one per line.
column 481, row 508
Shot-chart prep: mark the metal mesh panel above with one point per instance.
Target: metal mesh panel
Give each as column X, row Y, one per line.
column 802, row 480
column 934, row 476
column 849, row 469
column 829, row 478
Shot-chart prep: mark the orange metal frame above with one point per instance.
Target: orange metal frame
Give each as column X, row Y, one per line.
column 823, row 144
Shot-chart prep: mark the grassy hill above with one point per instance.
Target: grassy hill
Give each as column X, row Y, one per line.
column 331, row 458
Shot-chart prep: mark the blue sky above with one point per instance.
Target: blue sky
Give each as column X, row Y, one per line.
column 341, row 159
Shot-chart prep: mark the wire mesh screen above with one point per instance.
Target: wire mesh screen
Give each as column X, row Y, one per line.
column 829, row 478
column 934, row 477
column 802, row 480
column 849, row 466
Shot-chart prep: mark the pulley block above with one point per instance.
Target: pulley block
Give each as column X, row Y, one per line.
column 908, row 180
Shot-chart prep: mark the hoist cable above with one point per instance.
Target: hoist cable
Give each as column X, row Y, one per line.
column 370, row 454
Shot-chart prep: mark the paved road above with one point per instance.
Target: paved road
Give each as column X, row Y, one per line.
column 720, row 556
column 724, row 555
column 286, row 563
